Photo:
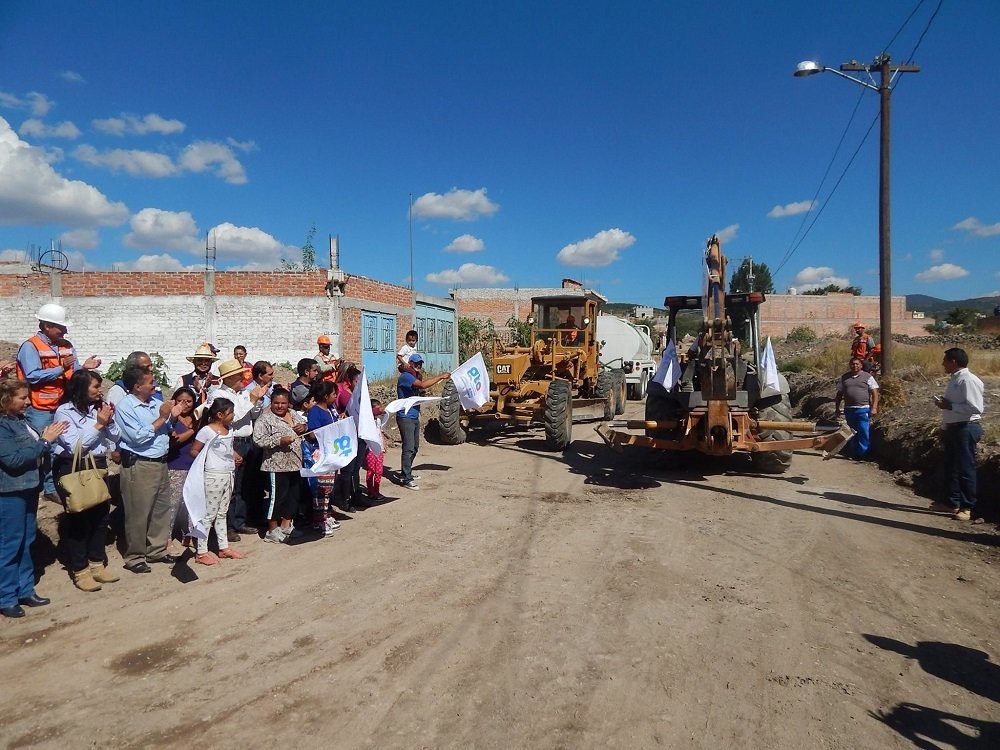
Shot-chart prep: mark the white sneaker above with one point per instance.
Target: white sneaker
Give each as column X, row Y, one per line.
column 332, row 524
column 411, row 485
column 275, row 536
column 415, row 477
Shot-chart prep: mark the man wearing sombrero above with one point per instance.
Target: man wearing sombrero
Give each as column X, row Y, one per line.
column 201, row 378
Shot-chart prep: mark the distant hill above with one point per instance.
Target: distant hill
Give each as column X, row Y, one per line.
column 933, row 306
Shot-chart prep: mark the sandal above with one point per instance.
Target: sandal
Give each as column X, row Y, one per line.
column 230, row 554
column 206, row 558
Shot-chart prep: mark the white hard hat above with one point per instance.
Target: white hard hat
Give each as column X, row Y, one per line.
column 53, row 313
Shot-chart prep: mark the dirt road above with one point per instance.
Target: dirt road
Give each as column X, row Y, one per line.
column 529, row 600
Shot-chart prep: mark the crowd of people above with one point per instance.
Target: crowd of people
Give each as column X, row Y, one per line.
column 227, row 434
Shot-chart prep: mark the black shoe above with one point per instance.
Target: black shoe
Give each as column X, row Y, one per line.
column 34, row 601
column 232, row 536
column 14, row 610
column 139, row 567
column 167, row 558
column 248, row 530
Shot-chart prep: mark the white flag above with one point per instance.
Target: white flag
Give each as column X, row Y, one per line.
column 669, row 371
column 338, row 446
column 405, row 404
column 360, row 408
column 193, row 493
column 472, row 381
column 769, row 369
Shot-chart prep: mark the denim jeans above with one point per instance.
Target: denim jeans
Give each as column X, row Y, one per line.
column 409, row 434
column 18, row 514
column 858, row 420
column 40, row 419
column 960, row 462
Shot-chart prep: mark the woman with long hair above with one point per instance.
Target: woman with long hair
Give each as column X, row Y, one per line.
column 179, row 459
column 89, row 423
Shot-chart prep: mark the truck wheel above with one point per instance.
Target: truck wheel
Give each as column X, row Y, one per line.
column 774, row 462
column 606, row 389
column 449, row 416
column 558, row 414
column 643, row 385
column 620, row 395
column 658, row 408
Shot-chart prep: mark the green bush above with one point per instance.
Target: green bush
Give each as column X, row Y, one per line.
column 115, row 370
column 801, row 335
column 794, row 365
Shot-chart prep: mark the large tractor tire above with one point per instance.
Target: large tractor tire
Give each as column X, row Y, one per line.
column 607, row 389
column 659, row 408
column 620, row 393
column 449, row 416
column 774, row 462
column 558, row 415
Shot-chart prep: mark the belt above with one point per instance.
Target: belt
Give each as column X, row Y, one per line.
column 137, row 457
column 100, row 461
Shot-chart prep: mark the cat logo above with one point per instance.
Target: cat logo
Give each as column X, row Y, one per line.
column 503, row 369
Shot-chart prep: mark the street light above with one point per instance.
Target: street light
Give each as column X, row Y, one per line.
column 884, row 89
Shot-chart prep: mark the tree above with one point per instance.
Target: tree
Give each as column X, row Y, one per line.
column 762, row 281
column 855, row 290
column 963, row 317
column 308, row 255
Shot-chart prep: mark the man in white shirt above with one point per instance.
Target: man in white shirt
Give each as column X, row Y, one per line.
column 962, row 412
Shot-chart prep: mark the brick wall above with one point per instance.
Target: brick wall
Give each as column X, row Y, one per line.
column 827, row 314
column 276, row 315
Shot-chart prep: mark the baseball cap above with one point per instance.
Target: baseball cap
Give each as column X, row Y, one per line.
column 416, row 359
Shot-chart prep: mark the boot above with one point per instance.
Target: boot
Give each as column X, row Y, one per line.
column 102, row 574
column 84, row 580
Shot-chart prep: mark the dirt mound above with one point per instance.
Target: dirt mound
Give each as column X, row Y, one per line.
column 905, row 436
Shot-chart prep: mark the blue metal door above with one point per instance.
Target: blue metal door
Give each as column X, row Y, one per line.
column 378, row 345
column 436, row 337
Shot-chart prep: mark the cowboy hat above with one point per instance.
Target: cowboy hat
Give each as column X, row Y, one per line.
column 230, row 367
column 204, row 351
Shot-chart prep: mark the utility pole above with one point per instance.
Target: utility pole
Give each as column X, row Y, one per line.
column 886, row 73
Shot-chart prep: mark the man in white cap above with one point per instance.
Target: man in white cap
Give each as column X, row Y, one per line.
column 47, row 361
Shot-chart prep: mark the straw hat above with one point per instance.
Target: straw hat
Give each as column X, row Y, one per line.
column 204, row 351
column 230, row 367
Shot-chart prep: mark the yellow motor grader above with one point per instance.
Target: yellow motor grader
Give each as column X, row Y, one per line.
column 558, row 371
column 715, row 398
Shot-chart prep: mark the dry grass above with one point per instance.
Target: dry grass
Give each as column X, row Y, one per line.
column 909, row 362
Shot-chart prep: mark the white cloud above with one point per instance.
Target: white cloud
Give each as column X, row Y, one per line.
column 791, row 209
column 599, row 250
column 975, row 227
column 251, row 244
column 727, row 234
column 944, row 272
column 31, row 192
column 203, row 155
column 468, row 274
column 85, row 239
column 133, row 125
column 465, row 243
column 908, row 256
column 72, row 76
column 817, row 277
column 153, row 228
column 161, row 262
column 132, row 161
column 38, row 104
column 936, row 255
column 13, row 256
column 244, row 146
column 462, row 205
column 38, row 129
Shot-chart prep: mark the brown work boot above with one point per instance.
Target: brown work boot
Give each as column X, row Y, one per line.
column 84, row 580
column 102, row 574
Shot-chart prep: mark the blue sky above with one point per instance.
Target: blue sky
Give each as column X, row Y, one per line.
column 600, row 141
